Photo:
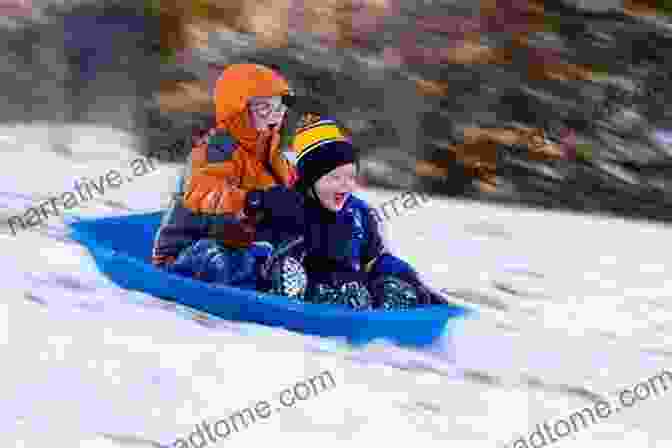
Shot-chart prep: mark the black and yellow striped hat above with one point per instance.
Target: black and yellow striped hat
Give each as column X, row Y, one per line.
column 320, row 146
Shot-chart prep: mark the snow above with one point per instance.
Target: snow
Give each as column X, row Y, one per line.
column 571, row 307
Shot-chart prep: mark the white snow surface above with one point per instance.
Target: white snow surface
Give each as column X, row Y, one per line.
column 570, row 307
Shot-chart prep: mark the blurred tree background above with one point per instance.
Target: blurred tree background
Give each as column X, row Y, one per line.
column 557, row 103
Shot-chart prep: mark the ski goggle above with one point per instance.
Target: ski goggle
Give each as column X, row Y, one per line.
column 265, row 108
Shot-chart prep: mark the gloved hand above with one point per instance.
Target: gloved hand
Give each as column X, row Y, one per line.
column 277, row 203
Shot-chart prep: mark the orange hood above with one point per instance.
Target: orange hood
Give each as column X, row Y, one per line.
column 234, row 87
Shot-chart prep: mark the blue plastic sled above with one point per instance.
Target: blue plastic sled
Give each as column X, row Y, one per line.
column 121, row 247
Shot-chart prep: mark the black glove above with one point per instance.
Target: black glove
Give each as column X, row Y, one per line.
column 277, row 203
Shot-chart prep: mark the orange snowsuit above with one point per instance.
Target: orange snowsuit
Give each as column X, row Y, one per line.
column 224, row 166
column 250, row 166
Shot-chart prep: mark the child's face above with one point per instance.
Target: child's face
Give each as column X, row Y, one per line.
column 267, row 112
column 333, row 188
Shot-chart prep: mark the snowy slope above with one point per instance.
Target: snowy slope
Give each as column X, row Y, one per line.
column 572, row 308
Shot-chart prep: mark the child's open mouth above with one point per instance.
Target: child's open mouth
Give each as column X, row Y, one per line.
column 339, row 197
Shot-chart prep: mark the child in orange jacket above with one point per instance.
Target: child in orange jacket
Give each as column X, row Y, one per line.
column 205, row 233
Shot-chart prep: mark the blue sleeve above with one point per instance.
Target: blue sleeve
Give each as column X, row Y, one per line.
column 388, row 264
column 378, row 255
